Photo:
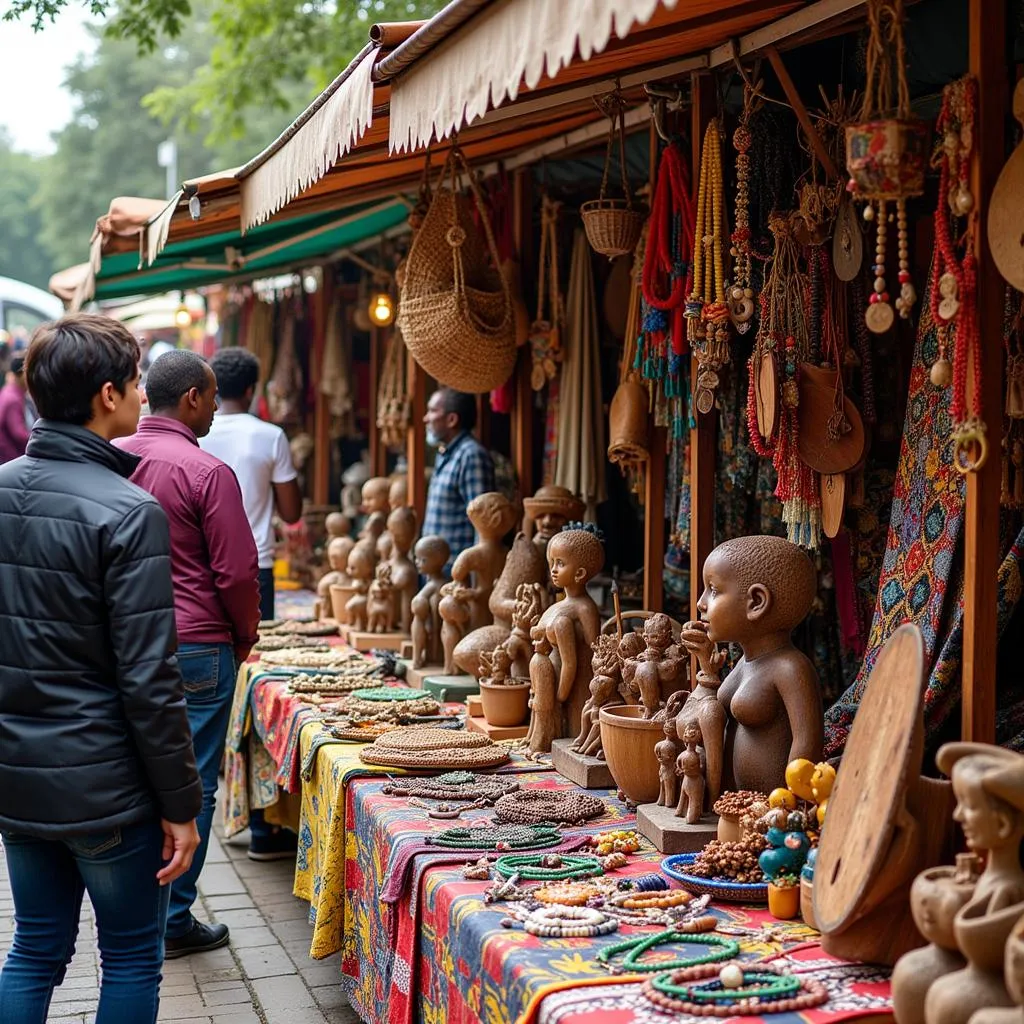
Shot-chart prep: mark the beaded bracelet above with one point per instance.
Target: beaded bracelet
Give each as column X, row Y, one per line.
column 557, row 922
column 636, row 947
column 567, row 893
column 500, row 837
column 754, row 985
column 549, row 867
column 656, row 900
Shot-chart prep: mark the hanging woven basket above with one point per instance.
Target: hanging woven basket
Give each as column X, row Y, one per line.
column 455, row 309
column 887, row 159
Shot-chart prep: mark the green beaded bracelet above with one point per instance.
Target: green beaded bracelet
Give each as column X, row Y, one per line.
column 529, row 867
column 770, row 986
column 385, row 693
column 637, row 946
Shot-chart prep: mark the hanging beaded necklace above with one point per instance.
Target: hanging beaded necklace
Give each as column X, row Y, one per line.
column 953, row 285
column 741, row 294
column 497, row 838
column 636, row 947
column 531, row 807
column 549, row 867
column 706, row 311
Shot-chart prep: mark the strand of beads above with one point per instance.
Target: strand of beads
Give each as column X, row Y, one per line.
column 530, row 807
column 879, row 316
column 741, row 294
column 638, row 946
column 568, row 922
column 551, row 867
column 656, row 900
column 502, row 837
column 453, row 786
column 567, row 893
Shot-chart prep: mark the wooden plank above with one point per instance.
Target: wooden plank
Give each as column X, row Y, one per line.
column 321, row 413
column 702, row 437
column 522, row 408
column 981, row 542
column 415, row 447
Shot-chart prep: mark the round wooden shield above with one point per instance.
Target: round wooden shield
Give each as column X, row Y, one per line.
column 882, row 759
column 825, row 454
column 1005, row 211
column 847, row 242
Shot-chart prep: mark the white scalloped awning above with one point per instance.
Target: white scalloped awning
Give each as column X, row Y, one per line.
column 506, row 45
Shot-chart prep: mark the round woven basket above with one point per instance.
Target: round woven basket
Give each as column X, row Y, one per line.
column 719, row 889
column 613, row 227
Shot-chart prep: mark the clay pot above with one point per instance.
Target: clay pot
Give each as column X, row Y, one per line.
column 887, row 159
column 629, row 423
column 628, row 741
column 339, row 598
column 505, row 705
column 783, row 901
column 807, row 902
column 729, row 828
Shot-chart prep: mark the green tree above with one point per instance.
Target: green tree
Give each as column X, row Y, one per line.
column 22, row 253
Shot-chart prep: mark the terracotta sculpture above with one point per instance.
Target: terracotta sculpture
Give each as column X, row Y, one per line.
column 528, row 608
column 757, row 590
column 478, row 567
column 631, row 646
column 571, row 625
column 690, row 771
column 375, row 507
column 989, row 786
column 551, row 508
column 666, row 751
column 496, row 667
column 337, row 524
column 545, row 712
column 431, row 557
column 455, row 613
column 1013, row 978
column 655, row 666
column 523, row 564
column 935, row 898
column 338, row 551
column 404, row 578
column 603, row 690
column 398, row 492
column 380, row 602
column 385, row 546
column 361, row 566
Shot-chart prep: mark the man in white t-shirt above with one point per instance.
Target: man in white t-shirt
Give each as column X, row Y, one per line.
column 258, row 452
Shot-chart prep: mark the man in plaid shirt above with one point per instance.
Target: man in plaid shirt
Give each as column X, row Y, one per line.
column 463, row 468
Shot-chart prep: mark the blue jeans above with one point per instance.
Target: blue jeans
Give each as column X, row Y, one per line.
column 208, row 671
column 118, row 869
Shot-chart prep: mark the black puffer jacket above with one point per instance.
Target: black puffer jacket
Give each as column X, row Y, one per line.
column 93, row 728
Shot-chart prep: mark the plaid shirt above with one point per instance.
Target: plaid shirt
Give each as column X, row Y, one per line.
column 462, row 470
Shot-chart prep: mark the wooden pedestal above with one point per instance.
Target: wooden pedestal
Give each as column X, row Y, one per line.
column 415, row 676
column 406, row 650
column 362, row 641
column 671, row 834
column 587, row 772
column 496, row 732
column 475, row 706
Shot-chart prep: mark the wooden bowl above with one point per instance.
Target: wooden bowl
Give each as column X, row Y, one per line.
column 628, row 741
column 505, row 705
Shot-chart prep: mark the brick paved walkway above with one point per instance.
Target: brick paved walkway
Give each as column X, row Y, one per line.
column 264, row 977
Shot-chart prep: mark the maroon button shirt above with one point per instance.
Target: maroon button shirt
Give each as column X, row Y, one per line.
column 13, row 428
column 213, row 554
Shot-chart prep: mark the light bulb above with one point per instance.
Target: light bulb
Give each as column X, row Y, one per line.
column 182, row 317
column 382, row 309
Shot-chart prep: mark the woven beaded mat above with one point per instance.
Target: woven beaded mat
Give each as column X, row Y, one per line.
column 434, row 748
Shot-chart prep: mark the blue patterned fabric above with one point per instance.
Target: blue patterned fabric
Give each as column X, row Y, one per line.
column 463, row 470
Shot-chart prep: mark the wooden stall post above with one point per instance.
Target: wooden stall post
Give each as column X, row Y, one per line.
column 981, row 542
column 415, row 446
column 702, row 437
column 522, row 408
column 321, row 412
column 378, row 453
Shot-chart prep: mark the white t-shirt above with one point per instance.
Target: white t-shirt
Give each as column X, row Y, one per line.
column 258, row 452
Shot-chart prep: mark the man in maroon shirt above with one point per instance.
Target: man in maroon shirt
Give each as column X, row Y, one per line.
column 216, row 587
column 13, row 425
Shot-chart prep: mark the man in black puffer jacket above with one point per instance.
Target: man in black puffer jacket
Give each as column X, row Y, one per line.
column 98, row 783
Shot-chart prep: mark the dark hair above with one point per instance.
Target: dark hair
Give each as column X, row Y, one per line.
column 70, row 360
column 463, row 405
column 175, row 374
column 18, row 363
column 237, row 370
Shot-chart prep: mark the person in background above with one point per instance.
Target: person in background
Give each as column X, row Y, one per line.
column 99, row 790
column 216, row 591
column 259, row 454
column 463, row 468
column 14, row 428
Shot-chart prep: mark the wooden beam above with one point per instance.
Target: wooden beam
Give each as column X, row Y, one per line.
column 415, row 446
column 981, row 542
column 378, row 453
column 702, row 437
column 321, row 413
column 522, row 407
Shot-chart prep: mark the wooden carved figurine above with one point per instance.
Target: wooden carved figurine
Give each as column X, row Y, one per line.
column 1013, row 977
column 631, row 646
column 655, row 665
column 989, row 786
column 526, row 615
column 575, row 556
column 496, row 667
column 338, row 551
column 398, row 492
column 545, row 711
column 603, row 690
column 551, row 508
column 337, row 524
column 404, row 578
column 524, row 564
column 361, row 566
column 757, row 590
column 478, row 567
column 455, row 614
column 691, row 772
column 431, row 557
column 375, row 507
column 380, row 602
column 666, row 751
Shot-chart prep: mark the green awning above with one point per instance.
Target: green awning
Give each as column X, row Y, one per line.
column 261, row 251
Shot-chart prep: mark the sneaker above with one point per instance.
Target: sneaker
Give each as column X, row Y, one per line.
column 201, row 939
column 279, row 845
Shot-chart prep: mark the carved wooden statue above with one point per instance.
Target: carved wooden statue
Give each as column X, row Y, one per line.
column 656, row 665
column 380, row 602
column 404, row 578
column 455, row 609
column 496, row 667
column 478, row 567
column 338, row 551
column 631, row 646
column 603, row 691
column 337, row 524
column 545, row 711
column 398, row 492
column 571, row 625
column 1013, row 978
column 431, row 557
column 530, row 600
column 361, row 566
column 375, row 507
column 666, row 751
column 691, row 775
column 551, row 508
column 524, row 564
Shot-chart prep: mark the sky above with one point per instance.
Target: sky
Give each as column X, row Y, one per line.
column 33, row 102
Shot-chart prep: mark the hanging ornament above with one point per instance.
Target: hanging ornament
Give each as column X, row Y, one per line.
column 887, row 157
column 741, row 295
column 545, row 332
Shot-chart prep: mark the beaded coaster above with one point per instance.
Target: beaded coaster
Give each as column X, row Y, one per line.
column 530, row 807
column 434, row 748
column 388, row 693
column 361, row 733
